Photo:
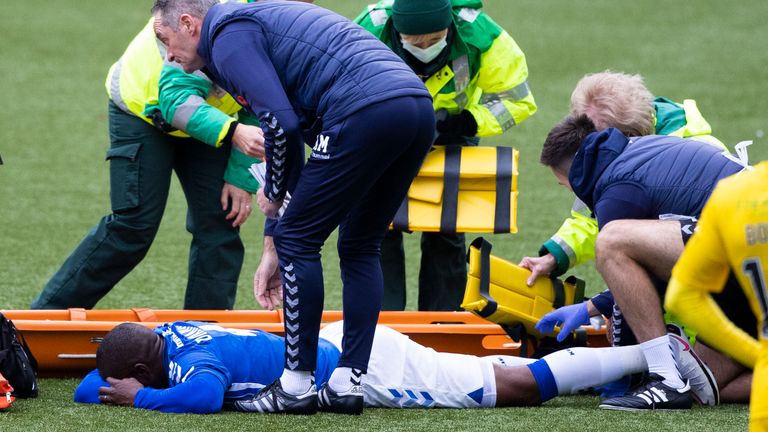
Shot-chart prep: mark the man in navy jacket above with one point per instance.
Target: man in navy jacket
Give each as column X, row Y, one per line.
column 629, row 184
column 312, row 76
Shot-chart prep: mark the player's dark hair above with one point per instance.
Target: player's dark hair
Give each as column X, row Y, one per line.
column 564, row 139
column 120, row 350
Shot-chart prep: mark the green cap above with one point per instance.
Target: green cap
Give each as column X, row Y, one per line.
column 418, row 17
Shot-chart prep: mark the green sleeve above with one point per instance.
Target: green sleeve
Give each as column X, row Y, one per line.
column 182, row 102
column 237, row 173
column 237, row 168
column 245, row 117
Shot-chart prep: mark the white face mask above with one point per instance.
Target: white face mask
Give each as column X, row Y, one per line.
column 425, row 55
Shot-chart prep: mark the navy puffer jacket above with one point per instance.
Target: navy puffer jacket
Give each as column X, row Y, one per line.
column 325, row 64
column 301, row 69
column 646, row 177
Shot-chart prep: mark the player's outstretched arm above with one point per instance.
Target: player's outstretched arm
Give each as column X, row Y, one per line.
column 88, row 389
column 201, row 394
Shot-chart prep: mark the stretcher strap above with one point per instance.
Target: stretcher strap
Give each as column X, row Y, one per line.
column 580, row 286
column 557, row 287
column 449, row 212
column 502, row 220
column 485, row 276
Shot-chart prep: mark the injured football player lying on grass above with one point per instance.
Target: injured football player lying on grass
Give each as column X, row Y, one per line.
column 196, row 367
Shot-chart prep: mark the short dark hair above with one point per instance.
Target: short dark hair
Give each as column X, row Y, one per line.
column 564, row 139
column 120, row 350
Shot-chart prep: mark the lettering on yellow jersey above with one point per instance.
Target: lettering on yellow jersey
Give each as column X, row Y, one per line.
column 757, row 234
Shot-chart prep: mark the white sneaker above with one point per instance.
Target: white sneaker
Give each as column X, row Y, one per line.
column 693, row 369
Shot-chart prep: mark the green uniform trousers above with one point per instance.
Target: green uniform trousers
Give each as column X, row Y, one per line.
column 442, row 276
column 142, row 160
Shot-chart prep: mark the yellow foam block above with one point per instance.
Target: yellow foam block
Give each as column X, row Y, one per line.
column 508, row 299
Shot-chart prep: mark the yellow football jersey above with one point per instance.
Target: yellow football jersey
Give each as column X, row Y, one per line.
column 732, row 235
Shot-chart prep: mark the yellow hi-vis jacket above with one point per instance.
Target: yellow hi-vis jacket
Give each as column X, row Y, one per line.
column 486, row 73
column 143, row 83
column 574, row 242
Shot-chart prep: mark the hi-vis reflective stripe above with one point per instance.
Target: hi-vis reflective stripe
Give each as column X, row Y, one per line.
column 114, row 83
column 501, row 114
column 378, row 17
column 461, row 80
column 518, row 92
column 186, row 110
column 565, row 247
column 469, row 14
column 114, row 86
column 493, row 102
column 580, row 207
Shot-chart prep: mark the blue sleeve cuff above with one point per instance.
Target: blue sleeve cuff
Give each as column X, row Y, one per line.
column 203, row 394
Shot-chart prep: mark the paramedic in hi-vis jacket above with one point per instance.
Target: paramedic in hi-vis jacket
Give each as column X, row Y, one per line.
column 478, row 79
column 162, row 120
column 620, row 100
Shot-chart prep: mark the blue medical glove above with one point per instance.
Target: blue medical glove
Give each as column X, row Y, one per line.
column 569, row 318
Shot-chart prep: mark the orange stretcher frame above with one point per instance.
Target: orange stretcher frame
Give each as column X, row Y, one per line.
column 64, row 342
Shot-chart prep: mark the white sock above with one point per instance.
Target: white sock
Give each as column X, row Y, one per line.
column 661, row 360
column 343, row 378
column 576, row 369
column 296, row 382
column 505, row 360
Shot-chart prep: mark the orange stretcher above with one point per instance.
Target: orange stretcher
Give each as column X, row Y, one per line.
column 64, row 342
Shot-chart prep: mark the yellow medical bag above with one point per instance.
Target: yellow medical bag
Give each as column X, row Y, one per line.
column 463, row 189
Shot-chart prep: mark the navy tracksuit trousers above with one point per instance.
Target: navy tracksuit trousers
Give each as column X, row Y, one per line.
column 357, row 176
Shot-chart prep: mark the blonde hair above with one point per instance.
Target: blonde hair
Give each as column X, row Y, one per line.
column 615, row 99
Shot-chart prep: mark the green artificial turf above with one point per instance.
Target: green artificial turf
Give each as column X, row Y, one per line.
column 54, row 57
column 53, row 411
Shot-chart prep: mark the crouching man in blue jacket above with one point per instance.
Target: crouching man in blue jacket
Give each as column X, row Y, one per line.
column 312, row 76
column 630, row 184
